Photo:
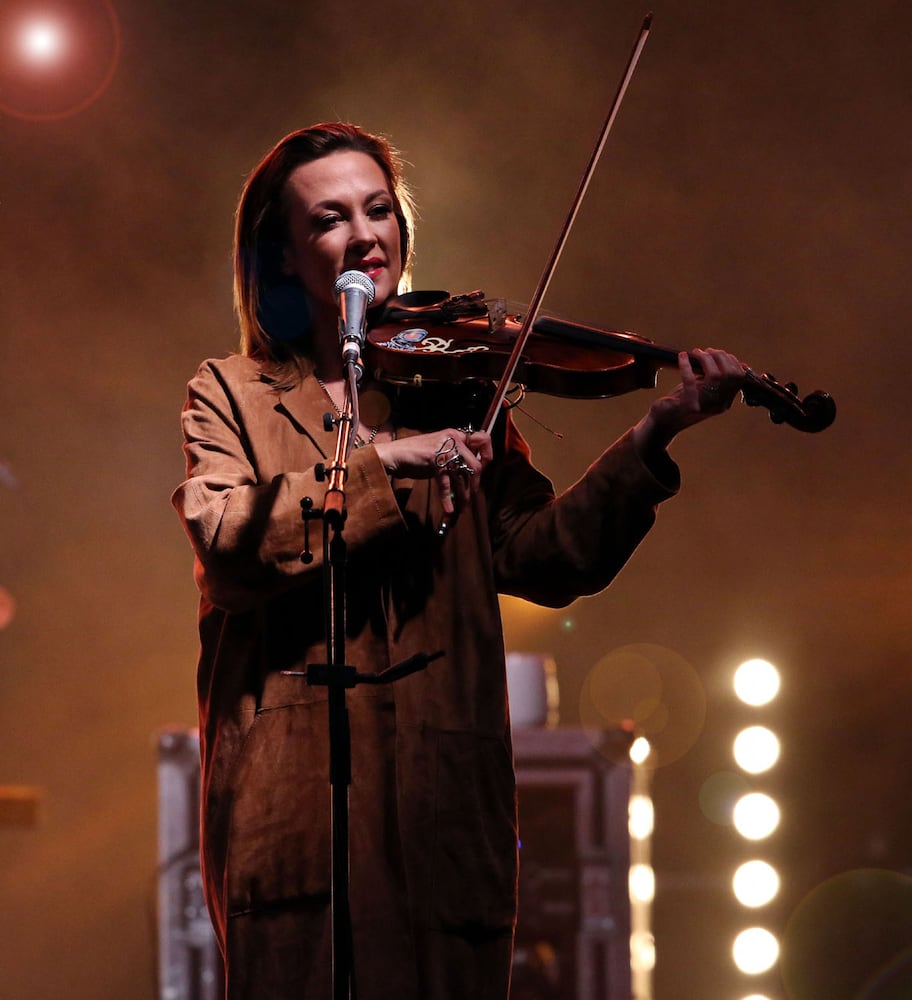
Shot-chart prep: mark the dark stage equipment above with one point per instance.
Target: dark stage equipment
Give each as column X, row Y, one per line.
column 572, row 939
column 189, row 964
column 573, row 933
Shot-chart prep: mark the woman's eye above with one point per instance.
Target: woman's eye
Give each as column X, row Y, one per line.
column 380, row 211
column 325, row 222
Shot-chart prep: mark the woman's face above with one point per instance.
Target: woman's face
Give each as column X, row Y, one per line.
column 341, row 218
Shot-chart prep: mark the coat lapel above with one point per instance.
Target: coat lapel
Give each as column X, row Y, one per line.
column 304, row 406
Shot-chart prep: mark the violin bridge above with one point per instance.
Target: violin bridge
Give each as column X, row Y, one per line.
column 497, row 314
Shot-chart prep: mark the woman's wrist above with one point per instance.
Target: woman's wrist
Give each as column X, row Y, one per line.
column 386, row 454
column 651, row 437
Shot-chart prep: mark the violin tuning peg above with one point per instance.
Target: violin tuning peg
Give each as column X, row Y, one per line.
column 329, row 422
column 792, row 388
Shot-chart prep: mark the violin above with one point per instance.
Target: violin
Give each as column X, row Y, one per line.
column 429, row 338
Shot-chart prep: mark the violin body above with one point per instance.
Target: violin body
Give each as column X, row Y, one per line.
column 416, row 352
column 431, row 338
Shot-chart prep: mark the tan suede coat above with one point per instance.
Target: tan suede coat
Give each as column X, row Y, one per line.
column 432, row 799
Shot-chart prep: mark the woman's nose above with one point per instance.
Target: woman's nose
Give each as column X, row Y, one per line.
column 362, row 232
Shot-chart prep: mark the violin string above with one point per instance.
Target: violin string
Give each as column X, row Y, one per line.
column 528, row 413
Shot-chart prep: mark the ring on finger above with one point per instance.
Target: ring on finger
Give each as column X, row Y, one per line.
column 458, row 464
column 446, row 453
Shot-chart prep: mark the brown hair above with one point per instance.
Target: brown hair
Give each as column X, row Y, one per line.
column 265, row 300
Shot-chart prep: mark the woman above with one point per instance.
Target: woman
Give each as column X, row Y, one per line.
column 433, row 833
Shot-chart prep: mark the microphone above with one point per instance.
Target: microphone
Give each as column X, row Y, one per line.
column 354, row 292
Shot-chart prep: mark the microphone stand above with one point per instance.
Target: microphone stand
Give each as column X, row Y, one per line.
column 337, row 676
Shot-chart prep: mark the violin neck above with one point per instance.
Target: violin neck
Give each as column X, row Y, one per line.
column 813, row 413
column 612, row 340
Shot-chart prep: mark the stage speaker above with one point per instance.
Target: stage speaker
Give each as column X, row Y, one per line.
column 573, row 934
column 189, row 963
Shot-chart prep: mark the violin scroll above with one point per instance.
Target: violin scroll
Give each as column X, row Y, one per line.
column 812, row 414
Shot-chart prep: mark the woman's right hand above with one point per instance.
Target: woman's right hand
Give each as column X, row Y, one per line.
column 453, row 457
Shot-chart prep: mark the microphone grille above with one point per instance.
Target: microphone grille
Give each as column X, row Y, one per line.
column 349, row 279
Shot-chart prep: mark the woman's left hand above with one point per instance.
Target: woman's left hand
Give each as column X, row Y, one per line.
column 697, row 398
column 455, row 458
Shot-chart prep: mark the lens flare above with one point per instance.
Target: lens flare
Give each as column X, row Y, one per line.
column 850, row 937
column 651, row 689
column 41, row 41
column 54, row 64
column 719, row 793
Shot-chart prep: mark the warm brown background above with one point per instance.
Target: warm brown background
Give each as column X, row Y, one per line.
column 754, row 195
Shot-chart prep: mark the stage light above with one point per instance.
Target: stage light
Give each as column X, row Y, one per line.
column 756, row 682
column 41, row 41
column 640, row 750
column 641, row 817
column 755, row 950
column 640, row 874
column 641, row 881
column 757, row 996
column 756, row 749
column 642, row 953
column 755, row 816
column 58, row 58
column 755, row 883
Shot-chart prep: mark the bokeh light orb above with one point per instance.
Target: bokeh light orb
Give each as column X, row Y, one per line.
column 719, row 793
column 756, row 749
column 650, row 689
column 755, row 815
column 642, row 951
column 756, row 682
column 7, row 608
column 640, row 750
column 56, row 59
column 755, row 950
column 849, row 937
column 755, row 883
column 641, row 881
column 41, row 40
column 640, row 817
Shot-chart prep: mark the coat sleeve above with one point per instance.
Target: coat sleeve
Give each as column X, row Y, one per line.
column 246, row 529
column 552, row 549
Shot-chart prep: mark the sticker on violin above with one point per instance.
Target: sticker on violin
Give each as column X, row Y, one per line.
column 406, row 340
column 419, row 340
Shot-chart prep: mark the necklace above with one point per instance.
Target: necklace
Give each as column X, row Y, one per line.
column 359, row 441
